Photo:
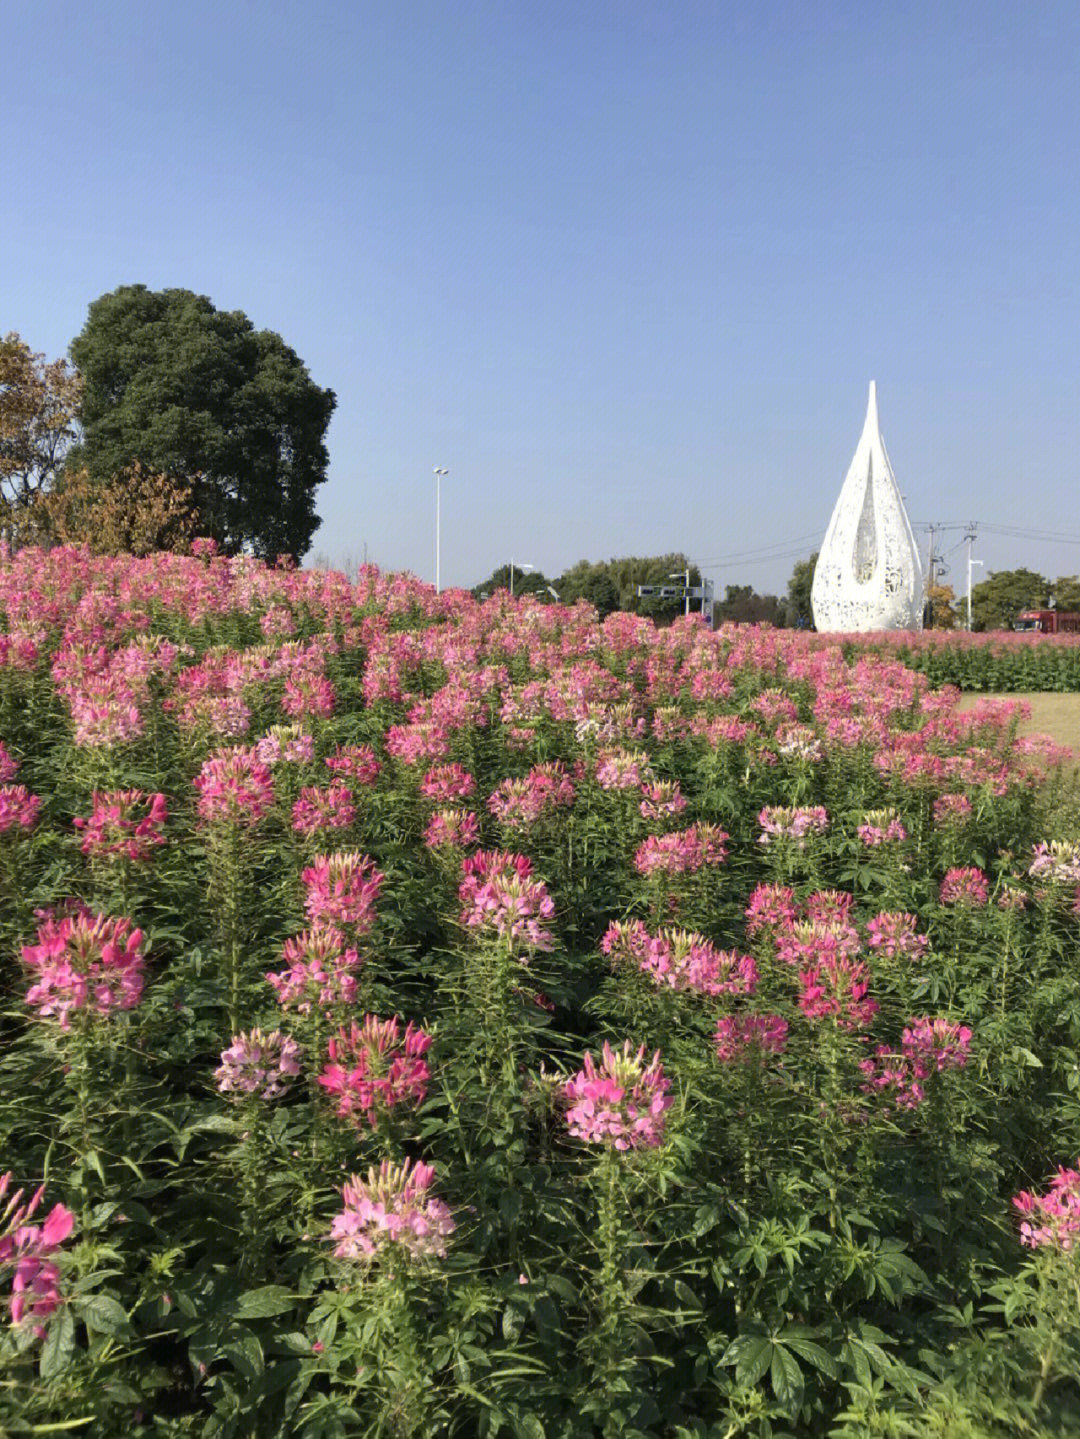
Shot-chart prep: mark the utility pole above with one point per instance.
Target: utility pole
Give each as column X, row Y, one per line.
column 969, row 539
column 931, row 557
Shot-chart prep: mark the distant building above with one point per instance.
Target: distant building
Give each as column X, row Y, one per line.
column 868, row 574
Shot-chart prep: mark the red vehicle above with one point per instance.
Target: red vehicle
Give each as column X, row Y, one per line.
column 1048, row 622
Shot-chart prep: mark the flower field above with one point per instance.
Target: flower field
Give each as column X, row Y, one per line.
column 997, row 661
column 424, row 1017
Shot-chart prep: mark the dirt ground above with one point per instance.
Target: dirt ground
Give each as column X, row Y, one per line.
column 1053, row 714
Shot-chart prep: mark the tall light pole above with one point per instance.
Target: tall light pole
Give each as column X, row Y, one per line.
column 683, row 575
column 520, row 567
column 438, row 473
column 970, row 539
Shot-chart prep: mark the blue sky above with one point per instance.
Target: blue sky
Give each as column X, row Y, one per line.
column 624, row 268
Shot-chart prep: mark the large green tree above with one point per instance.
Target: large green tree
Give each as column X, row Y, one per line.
column 198, row 394
column 997, row 601
column 800, row 613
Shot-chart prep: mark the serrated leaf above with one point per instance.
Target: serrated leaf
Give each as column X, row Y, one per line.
column 786, row 1379
column 59, row 1344
column 755, row 1356
column 102, row 1314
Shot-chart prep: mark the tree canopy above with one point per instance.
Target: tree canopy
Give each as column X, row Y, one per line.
column 38, row 405
column 997, row 600
column 201, row 396
column 800, row 613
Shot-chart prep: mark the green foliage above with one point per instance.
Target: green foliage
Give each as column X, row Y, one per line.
column 997, row 600
column 800, row 612
column 200, row 395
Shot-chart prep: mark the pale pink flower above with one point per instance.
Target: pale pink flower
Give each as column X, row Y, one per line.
column 500, row 899
column 452, row 829
column 622, row 1102
column 392, row 1207
column 881, row 826
column 770, row 906
column 518, row 804
column 794, row 824
column 258, row 1065
column 951, row 811
column 683, row 851
column 661, row 800
column 284, row 744
column 308, row 695
column 893, row 934
column 316, row 809
column 321, row 970
column 1057, row 861
column 623, row 769
column 682, row 960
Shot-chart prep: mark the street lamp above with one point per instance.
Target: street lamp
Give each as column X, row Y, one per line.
column 683, row 575
column 438, row 473
column 520, row 567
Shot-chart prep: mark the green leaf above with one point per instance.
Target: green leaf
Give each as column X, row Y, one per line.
column 786, row 1378
column 529, row 1427
column 102, row 1314
column 813, row 1354
column 59, row 1344
column 265, row 1302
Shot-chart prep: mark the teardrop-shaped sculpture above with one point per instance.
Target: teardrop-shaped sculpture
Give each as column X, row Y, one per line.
column 868, row 574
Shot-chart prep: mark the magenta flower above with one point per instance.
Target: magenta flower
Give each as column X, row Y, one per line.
column 18, row 807
column 622, row 1103
column 375, row 1068
column 392, row 1207
column 951, row 811
column 965, row 885
column 519, row 803
column 356, row 761
column 258, row 1065
column 879, row 827
column 807, row 943
column 9, row 766
column 892, row 1076
column 446, row 782
column 26, row 1248
column 661, row 800
column 500, row 899
column 837, row 989
column 626, row 941
column 124, row 824
column 234, row 788
column 623, row 769
column 770, row 906
column 320, row 973
column 933, row 1045
column 87, row 962
column 342, row 889
column 1051, row 1220
column 683, row 851
column 452, row 829
column 318, row 809
column 308, row 695
column 750, row 1036
column 893, row 934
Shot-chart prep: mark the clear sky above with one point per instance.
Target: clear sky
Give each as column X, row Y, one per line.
column 624, row 268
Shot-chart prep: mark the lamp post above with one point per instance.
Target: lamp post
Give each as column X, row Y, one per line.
column 438, row 473
column 520, row 567
column 683, row 575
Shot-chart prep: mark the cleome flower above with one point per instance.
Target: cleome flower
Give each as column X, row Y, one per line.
column 965, row 885
column 85, row 961
column 124, row 824
column 320, row 973
column 743, row 1037
column 1051, row 1220
column 500, row 898
column 620, row 1103
column 376, row 1067
column 342, row 889
column 234, row 787
column 392, row 1209
column 1057, row 861
column 681, row 959
column 781, row 822
column 258, row 1065
column 26, row 1250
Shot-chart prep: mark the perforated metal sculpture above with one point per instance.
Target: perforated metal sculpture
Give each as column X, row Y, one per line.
column 868, row 574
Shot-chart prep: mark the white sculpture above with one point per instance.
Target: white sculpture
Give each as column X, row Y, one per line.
column 868, row 574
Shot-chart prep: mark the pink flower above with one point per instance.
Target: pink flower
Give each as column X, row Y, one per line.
column 357, row 761
column 836, row 988
column 258, row 1065
column 234, row 788
column 9, row 767
column 115, row 828
column 103, row 720
column 750, row 1036
column 626, row 942
column 447, row 782
column 18, row 807
column 342, row 889
column 1057, row 861
column 933, row 1045
column 284, row 744
column 500, row 899
column 85, row 961
column 1051, row 1220
column 620, row 1103
column 779, row 822
column 25, row 1249
column 892, row 1076
column 318, row 809
column 683, row 851
column 661, row 800
column 965, row 885
column 308, row 695
column 392, row 1207
column 320, row 970
column 623, row 769
column 452, row 829
column 681, row 960
column 951, row 811
column 894, row 933
column 770, row 905
column 518, row 804
column 881, row 826
column 375, row 1068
